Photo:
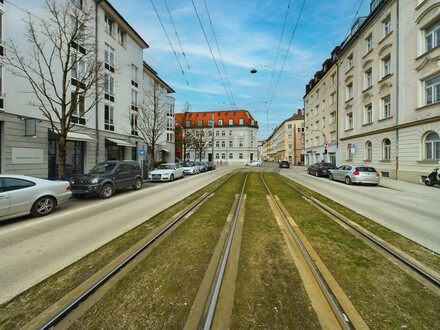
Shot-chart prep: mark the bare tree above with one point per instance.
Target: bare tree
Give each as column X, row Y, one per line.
column 151, row 119
column 62, row 67
column 201, row 141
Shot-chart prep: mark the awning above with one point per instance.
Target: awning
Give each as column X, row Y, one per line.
column 74, row 136
column 166, row 150
column 122, row 143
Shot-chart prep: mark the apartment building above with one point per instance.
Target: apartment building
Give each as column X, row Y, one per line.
column 388, row 90
column 233, row 133
column 287, row 141
column 109, row 130
column 321, row 113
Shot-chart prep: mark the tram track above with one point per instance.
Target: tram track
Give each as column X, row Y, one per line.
column 420, row 272
column 57, row 313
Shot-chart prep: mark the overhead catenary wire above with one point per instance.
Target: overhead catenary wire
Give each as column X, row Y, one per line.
column 212, row 55
column 287, row 53
column 355, row 15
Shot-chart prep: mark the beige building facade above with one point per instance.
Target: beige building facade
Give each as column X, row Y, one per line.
column 388, row 91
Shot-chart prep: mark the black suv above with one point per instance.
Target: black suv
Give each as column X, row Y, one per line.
column 104, row 178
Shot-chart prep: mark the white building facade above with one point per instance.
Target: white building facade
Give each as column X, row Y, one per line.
column 108, row 131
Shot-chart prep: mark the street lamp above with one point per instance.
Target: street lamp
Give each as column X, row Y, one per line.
column 212, row 142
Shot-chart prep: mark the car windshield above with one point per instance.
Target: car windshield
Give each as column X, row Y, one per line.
column 189, row 164
column 365, row 169
column 166, row 167
column 102, row 168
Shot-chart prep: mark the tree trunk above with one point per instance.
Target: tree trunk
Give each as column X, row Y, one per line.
column 61, row 157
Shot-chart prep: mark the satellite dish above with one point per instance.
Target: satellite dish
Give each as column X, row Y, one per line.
column 254, row 71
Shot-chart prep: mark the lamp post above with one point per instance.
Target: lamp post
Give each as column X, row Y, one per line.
column 212, row 142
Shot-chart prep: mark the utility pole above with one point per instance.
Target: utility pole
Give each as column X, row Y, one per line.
column 212, row 144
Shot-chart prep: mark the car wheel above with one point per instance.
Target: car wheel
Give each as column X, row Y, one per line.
column 171, row 178
column 43, row 206
column 258, row 164
column 183, row 175
column 330, row 177
column 137, row 184
column 347, row 180
column 107, row 191
column 316, row 173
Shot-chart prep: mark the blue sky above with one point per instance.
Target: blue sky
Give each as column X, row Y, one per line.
column 248, row 34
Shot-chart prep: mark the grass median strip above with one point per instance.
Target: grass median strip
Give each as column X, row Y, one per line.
column 384, row 295
column 23, row 308
column 160, row 291
column 269, row 290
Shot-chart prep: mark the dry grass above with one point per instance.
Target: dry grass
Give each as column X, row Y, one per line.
column 384, row 295
column 159, row 292
column 269, row 290
column 35, row 300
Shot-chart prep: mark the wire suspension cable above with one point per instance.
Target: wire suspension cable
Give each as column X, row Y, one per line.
column 212, row 54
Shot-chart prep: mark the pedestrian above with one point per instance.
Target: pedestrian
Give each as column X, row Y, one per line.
column 221, row 163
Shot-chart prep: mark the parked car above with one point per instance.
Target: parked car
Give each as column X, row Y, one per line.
column 203, row 167
column 106, row 177
column 21, row 195
column 191, row 168
column 211, row 166
column 320, row 169
column 284, row 164
column 253, row 163
column 167, row 172
column 355, row 174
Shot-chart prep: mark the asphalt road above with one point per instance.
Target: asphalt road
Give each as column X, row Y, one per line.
column 409, row 209
column 32, row 249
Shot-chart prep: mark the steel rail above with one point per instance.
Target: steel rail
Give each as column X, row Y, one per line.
column 408, row 263
column 214, row 298
column 72, row 305
column 342, row 318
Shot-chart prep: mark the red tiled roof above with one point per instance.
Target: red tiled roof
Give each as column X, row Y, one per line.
column 194, row 117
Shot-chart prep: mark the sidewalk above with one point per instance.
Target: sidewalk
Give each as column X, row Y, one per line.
column 419, row 188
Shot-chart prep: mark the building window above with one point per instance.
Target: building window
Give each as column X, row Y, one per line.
column 223, row 144
column 432, row 146
column 368, row 114
column 188, row 123
column 240, row 156
column 432, row 90
column 369, row 78
column 134, row 124
column 350, row 62
column 386, row 107
column 369, row 43
column 121, row 36
column 240, row 144
column 333, row 76
column 109, row 116
column 368, row 150
column 200, row 122
column 231, row 156
column 217, row 156
column 220, row 122
column 223, row 155
column 230, row 133
column 333, row 136
column 240, row 121
column 349, row 121
column 386, row 66
column 333, row 98
column 108, row 25
column 134, row 100
column 350, row 152
column 231, row 121
column 349, row 91
column 109, row 88
column 231, row 144
column 76, row 2
column 134, row 75
column 217, row 133
column 109, row 58
column 387, row 26
column 432, row 36
column 223, row 133
column 210, row 122
column 217, row 144
column 333, row 117
column 386, row 149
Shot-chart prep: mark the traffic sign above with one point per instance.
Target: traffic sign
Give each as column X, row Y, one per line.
column 326, row 144
column 142, row 152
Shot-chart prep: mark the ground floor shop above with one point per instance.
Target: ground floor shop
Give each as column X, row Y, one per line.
column 29, row 147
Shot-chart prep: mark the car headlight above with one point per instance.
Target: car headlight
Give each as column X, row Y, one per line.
column 94, row 180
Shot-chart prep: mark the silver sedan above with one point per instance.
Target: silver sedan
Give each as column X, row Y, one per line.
column 355, row 174
column 21, row 195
